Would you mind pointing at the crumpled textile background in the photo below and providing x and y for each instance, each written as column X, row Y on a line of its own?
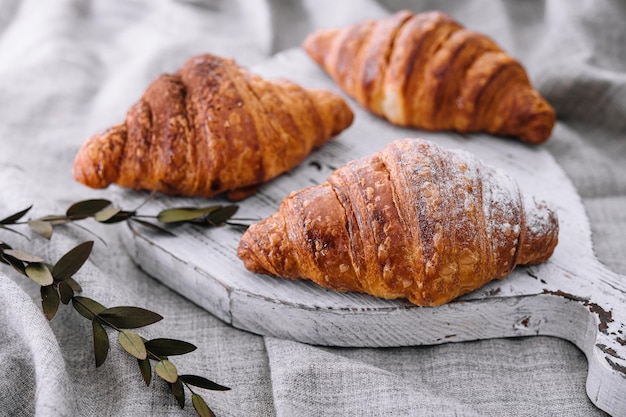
column 69, row 68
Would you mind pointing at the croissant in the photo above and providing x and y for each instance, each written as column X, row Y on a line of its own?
column 426, row 71
column 213, row 127
column 411, row 221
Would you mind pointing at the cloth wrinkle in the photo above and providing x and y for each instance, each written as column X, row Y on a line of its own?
column 69, row 68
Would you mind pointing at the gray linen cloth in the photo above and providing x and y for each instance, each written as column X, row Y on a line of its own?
column 69, row 68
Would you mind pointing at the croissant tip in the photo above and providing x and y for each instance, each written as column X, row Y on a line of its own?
column 318, row 43
column 85, row 170
column 530, row 118
column 541, row 234
column 95, row 164
column 261, row 243
column 337, row 115
column 540, row 127
column 537, row 119
column 246, row 254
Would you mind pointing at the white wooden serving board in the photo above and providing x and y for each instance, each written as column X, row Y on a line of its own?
column 571, row 296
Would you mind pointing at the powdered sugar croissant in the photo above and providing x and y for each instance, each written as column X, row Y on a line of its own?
column 426, row 71
column 411, row 221
column 210, row 128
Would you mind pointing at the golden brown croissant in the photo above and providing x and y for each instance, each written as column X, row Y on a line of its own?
column 411, row 221
column 427, row 71
column 210, row 128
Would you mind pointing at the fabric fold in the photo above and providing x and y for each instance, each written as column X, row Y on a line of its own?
column 70, row 67
column 31, row 358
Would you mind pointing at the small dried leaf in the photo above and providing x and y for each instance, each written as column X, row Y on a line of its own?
column 87, row 307
column 86, row 208
column 73, row 284
column 146, row 370
column 44, row 229
column 100, row 342
column 72, row 261
column 106, row 213
column 132, row 343
column 14, row 262
column 166, row 370
column 220, row 216
column 23, row 256
column 198, row 381
column 184, row 214
column 39, row 273
column 201, row 406
column 15, row 217
column 55, row 220
column 169, row 347
column 130, row 317
column 113, row 215
column 66, row 292
column 120, row 217
column 179, row 392
column 49, row 301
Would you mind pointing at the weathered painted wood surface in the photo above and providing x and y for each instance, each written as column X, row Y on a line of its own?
column 572, row 296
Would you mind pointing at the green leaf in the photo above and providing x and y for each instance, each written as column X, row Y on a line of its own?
column 49, row 301
column 130, row 317
column 15, row 217
column 220, row 216
column 100, row 341
column 179, row 392
column 201, row 406
column 73, row 284
column 146, row 370
column 55, row 219
column 198, row 381
column 23, row 256
column 120, row 217
column 65, row 291
column 87, row 307
column 72, row 261
column 169, row 347
column 184, row 214
column 44, row 229
column 86, row 208
column 39, row 273
column 112, row 215
column 166, row 370
column 106, row 214
column 14, row 262
column 132, row 343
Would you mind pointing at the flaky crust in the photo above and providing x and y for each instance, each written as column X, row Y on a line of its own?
column 212, row 127
column 426, row 71
column 411, row 221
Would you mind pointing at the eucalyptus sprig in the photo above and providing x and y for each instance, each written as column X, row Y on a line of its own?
column 58, row 286
column 105, row 212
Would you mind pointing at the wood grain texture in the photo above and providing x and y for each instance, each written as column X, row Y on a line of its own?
column 571, row 296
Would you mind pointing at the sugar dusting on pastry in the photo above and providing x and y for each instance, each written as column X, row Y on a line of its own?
column 412, row 221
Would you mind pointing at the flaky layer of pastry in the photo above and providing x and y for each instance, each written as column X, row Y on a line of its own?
column 212, row 127
column 411, row 221
column 426, row 71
